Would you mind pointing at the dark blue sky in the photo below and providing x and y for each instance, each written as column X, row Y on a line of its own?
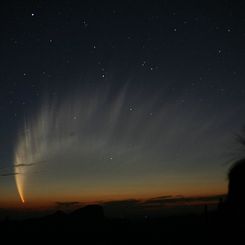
column 181, row 63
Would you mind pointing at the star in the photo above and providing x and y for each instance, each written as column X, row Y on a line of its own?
column 85, row 24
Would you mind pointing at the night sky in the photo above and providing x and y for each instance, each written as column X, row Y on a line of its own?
column 105, row 100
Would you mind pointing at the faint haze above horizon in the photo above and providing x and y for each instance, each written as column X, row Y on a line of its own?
column 115, row 101
column 107, row 143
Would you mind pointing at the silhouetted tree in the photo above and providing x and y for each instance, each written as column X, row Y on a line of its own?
column 236, row 187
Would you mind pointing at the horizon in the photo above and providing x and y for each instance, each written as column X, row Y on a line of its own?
column 160, row 206
column 114, row 103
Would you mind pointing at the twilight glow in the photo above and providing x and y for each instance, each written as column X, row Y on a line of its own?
column 99, row 144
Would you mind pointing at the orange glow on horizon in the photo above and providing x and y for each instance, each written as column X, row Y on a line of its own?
column 46, row 203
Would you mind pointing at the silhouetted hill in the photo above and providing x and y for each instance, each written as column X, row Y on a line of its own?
column 89, row 223
column 58, row 215
column 92, row 213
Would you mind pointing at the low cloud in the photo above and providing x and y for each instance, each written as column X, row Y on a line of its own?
column 28, row 164
column 122, row 203
column 158, row 203
column 9, row 174
column 24, row 165
column 181, row 201
column 67, row 204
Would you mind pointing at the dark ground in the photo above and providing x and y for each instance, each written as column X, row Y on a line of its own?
column 88, row 226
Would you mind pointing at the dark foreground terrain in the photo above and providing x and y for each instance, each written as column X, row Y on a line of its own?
column 88, row 225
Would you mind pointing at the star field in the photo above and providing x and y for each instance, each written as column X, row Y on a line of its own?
column 181, row 65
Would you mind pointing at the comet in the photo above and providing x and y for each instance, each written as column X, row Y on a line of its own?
column 27, row 155
column 38, row 138
column 102, row 127
column 91, row 135
column 62, row 126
